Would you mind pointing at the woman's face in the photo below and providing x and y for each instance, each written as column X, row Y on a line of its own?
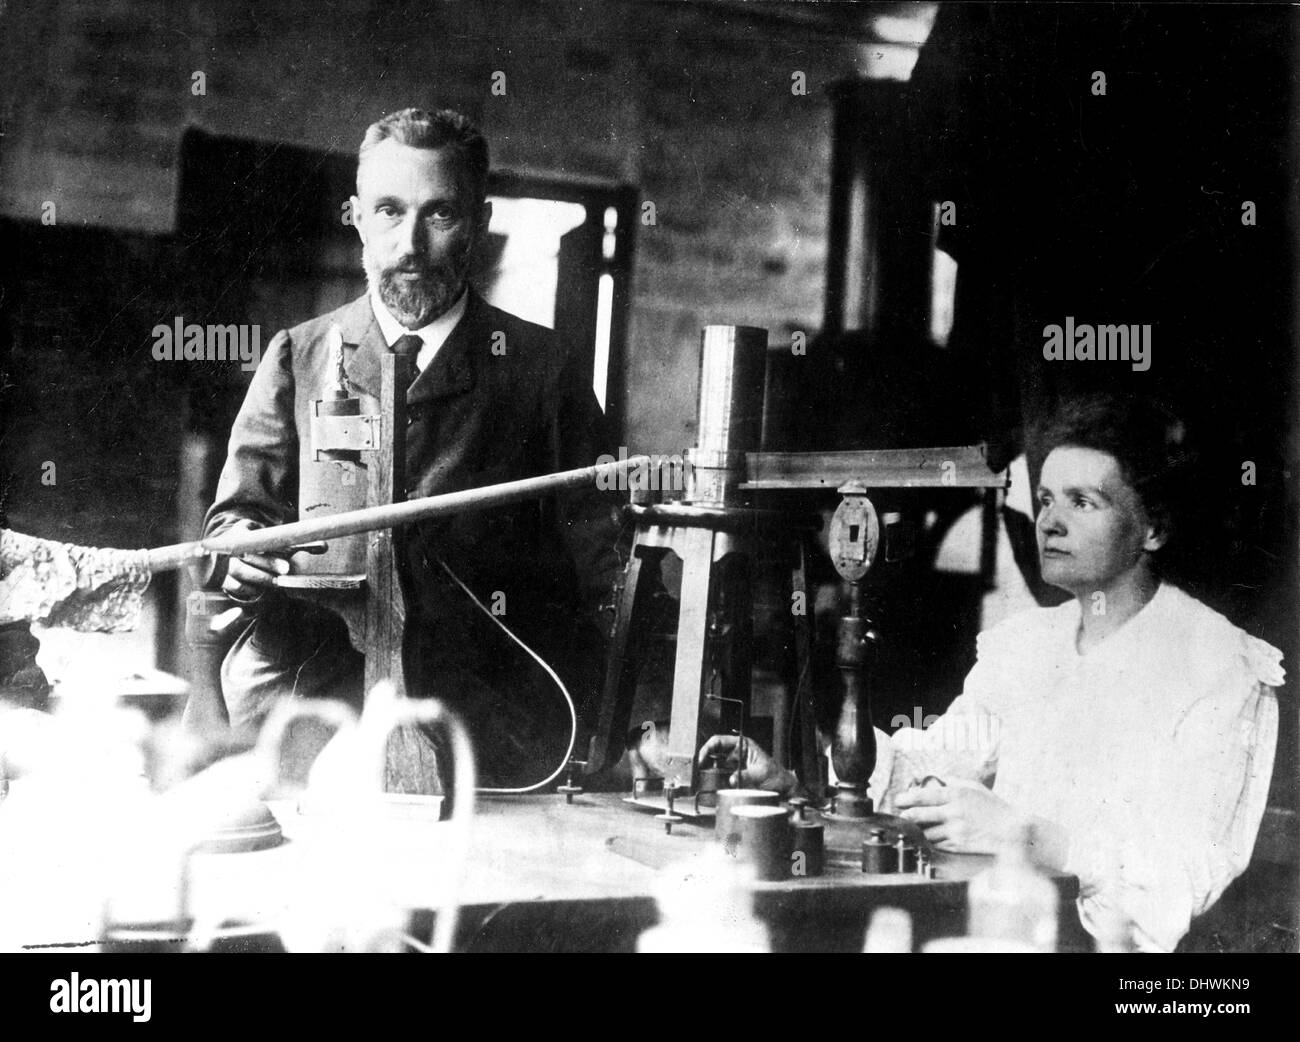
column 1093, row 532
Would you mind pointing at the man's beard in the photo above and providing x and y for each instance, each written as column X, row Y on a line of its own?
column 417, row 301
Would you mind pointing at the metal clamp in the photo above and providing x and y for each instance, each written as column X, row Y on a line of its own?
column 335, row 433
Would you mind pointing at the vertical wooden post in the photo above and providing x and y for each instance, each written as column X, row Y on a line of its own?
column 412, row 762
column 696, row 548
column 386, row 474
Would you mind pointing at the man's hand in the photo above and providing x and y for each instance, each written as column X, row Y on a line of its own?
column 759, row 770
column 961, row 816
column 249, row 577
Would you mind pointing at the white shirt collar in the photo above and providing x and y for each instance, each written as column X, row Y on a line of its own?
column 434, row 334
column 1145, row 625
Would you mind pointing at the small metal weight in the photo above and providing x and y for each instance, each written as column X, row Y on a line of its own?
column 712, row 779
column 878, row 855
column 808, row 839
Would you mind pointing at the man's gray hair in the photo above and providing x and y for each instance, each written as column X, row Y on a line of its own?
column 441, row 128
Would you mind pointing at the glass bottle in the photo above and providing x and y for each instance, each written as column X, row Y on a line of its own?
column 1013, row 901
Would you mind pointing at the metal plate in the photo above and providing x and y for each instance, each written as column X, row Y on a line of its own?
column 955, row 466
column 345, row 433
column 854, row 537
column 683, row 805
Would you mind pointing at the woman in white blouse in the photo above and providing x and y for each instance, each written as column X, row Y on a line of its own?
column 1132, row 727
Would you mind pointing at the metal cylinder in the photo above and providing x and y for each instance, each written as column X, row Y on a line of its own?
column 730, row 799
column 763, row 840
column 337, row 407
column 808, row 838
column 713, row 779
column 733, row 365
column 331, row 481
column 878, row 856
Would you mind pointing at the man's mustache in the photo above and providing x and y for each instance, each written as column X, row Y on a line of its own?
column 415, row 268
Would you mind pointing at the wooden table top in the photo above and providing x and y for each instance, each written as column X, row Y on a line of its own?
column 536, row 848
column 543, row 874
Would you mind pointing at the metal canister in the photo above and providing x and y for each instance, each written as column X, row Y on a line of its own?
column 878, row 855
column 808, row 841
column 332, row 480
column 729, row 800
column 733, row 366
column 763, row 840
column 712, row 779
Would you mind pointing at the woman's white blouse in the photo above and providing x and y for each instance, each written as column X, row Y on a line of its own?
column 1154, row 751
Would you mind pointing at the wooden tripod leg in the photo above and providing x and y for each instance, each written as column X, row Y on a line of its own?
column 695, row 547
column 733, row 605
column 620, row 674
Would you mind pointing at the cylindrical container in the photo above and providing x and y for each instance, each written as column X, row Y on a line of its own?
column 763, row 840
column 1014, row 899
column 733, row 361
column 730, row 799
column 712, row 779
column 350, row 407
column 878, row 855
column 733, row 366
column 332, row 481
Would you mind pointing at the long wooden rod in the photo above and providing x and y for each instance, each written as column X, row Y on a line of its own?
column 368, row 519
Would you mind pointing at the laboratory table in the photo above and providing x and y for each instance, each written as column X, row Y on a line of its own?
column 546, row 875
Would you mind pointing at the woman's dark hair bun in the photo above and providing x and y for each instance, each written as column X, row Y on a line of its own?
column 1147, row 438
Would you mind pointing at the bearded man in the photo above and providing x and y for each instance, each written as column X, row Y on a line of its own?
column 495, row 399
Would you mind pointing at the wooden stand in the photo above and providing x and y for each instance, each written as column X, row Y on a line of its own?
column 374, row 606
column 718, row 548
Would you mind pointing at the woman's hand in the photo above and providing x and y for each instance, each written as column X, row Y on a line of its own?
column 960, row 815
column 966, row 818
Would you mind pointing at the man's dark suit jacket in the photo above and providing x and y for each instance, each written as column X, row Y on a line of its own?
column 475, row 418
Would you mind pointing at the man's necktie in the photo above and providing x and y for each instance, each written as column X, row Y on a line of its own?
column 412, row 344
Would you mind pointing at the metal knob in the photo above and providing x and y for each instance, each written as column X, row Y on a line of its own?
column 569, row 789
column 669, row 817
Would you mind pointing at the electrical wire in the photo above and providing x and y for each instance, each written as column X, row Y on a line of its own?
column 568, row 698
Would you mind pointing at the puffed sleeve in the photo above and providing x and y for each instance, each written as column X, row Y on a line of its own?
column 963, row 742
column 1161, row 862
